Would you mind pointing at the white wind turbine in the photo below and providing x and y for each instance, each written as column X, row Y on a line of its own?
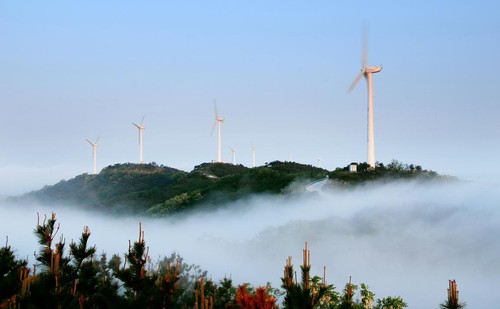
column 140, row 127
column 367, row 72
column 234, row 155
column 94, row 153
column 253, row 155
column 218, row 121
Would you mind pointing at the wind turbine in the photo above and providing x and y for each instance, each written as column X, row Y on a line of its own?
column 94, row 153
column 367, row 72
column 234, row 155
column 253, row 155
column 140, row 127
column 218, row 121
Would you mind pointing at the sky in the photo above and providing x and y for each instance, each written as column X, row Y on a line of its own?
column 279, row 72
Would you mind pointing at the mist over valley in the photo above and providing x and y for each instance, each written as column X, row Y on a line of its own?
column 403, row 237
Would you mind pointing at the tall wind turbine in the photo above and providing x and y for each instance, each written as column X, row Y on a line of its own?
column 253, row 155
column 234, row 155
column 94, row 153
column 367, row 72
column 218, row 121
column 140, row 127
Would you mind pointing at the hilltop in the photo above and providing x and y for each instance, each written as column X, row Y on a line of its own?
column 160, row 190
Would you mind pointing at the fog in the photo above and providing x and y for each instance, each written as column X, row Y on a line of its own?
column 401, row 239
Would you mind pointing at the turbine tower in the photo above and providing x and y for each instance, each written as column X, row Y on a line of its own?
column 218, row 121
column 140, row 127
column 234, row 155
column 367, row 72
column 253, row 155
column 94, row 154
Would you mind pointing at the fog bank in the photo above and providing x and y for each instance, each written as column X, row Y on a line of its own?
column 405, row 239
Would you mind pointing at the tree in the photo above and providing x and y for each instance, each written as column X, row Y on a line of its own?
column 257, row 300
column 84, row 270
column 10, row 270
column 452, row 301
column 347, row 300
column 302, row 295
column 51, row 286
column 367, row 297
column 391, row 303
column 140, row 288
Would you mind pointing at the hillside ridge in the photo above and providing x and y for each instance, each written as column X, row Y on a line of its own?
column 153, row 189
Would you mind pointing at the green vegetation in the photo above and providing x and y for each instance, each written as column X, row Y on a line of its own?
column 80, row 279
column 390, row 172
column 153, row 189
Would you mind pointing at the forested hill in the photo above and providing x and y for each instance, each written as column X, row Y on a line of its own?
column 159, row 190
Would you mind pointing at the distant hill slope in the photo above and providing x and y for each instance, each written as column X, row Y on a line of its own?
column 159, row 190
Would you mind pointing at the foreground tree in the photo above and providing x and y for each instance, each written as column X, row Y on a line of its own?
column 140, row 288
column 80, row 280
column 452, row 301
column 391, row 303
column 10, row 270
column 302, row 295
column 259, row 299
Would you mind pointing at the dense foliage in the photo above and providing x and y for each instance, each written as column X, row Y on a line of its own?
column 390, row 172
column 158, row 190
column 80, row 279
column 77, row 278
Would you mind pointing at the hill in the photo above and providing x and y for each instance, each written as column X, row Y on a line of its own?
column 159, row 190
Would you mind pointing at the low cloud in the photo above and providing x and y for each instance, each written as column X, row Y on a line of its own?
column 403, row 238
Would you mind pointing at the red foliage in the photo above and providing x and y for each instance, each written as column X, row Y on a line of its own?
column 259, row 300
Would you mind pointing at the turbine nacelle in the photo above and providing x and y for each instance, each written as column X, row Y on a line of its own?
column 373, row 69
column 139, row 126
column 95, row 144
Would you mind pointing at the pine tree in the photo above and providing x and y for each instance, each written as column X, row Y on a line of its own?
column 10, row 270
column 452, row 301
column 301, row 295
column 140, row 288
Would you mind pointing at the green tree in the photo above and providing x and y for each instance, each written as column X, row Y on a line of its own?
column 391, row 303
column 302, row 295
column 10, row 269
column 140, row 288
column 51, row 285
column 367, row 297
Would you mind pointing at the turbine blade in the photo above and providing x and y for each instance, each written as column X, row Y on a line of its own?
column 138, row 127
column 142, row 121
column 365, row 45
column 365, row 48
column 213, row 128
column 89, row 142
column 356, row 80
column 215, row 109
column 97, row 140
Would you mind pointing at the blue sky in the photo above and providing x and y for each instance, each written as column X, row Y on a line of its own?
column 279, row 71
